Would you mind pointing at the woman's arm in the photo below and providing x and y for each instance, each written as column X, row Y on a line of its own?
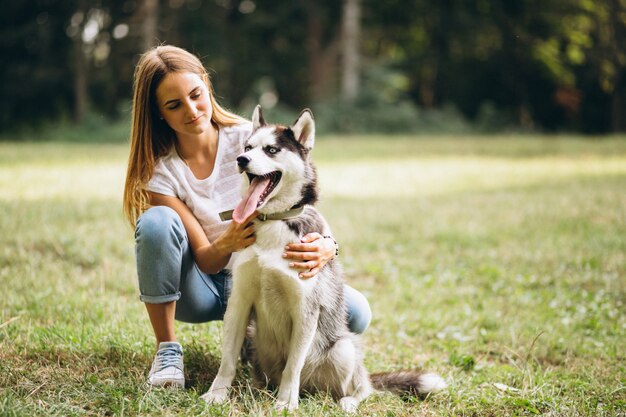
column 210, row 257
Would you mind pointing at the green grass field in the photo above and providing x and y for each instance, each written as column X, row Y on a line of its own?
column 498, row 262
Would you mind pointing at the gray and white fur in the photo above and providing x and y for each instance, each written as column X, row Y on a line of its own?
column 301, row 339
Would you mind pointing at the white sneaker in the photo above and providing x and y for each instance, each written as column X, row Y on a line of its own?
column 167, row 367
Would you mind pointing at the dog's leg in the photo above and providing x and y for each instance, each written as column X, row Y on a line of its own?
column 304, row 328
column 359, row 388
column 235, row 324
column 352, row 384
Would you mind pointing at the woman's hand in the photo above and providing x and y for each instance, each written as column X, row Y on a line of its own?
column 311, row 254
column 237, row 236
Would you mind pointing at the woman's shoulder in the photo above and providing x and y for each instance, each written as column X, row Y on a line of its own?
column 235, row 135
column 239, row 130
column 167, row 175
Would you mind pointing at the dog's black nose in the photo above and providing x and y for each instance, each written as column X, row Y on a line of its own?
column 243, row 161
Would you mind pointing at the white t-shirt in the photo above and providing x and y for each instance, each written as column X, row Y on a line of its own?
column 208, row 197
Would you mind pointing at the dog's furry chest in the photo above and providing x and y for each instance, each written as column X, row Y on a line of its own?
column 273, row 236
column 264, row 269
column 267, row 251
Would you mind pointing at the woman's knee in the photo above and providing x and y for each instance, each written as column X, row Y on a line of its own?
column 359, row 312
column 160, row 250
column 157, row 225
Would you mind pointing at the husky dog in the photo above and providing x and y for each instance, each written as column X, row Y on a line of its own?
column 301, row 339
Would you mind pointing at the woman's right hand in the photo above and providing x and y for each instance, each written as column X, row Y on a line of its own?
column 237, row 236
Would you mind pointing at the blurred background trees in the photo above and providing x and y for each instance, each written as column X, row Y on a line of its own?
column 419, row 65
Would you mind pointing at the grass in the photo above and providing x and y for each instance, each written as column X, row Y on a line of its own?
column 498, row 262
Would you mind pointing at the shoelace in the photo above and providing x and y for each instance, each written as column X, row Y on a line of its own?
column 169, row 356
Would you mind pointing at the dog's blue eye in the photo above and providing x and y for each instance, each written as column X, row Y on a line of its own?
column 247, row 148
column 272, row 150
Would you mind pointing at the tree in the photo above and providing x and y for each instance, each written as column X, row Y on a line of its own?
column 351, row 21
column 145, row 20
column 34, row 48
column 547, row 64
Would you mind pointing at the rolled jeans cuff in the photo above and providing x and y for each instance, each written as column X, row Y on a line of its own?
column 159, row 299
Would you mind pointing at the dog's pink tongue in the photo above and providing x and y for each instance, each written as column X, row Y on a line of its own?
column 249, row 203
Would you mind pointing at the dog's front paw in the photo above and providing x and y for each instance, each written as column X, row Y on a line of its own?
column 349, row 404
column 216, row 395
column 286, row 405
column 288, row 396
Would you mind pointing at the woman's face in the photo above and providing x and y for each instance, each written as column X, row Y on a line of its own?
column 183, row 102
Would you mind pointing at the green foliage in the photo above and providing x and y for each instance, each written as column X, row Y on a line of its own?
column 383, row 107
column 553, row 64
column 365, row 115
column 485, row 65
column 96, row 128
column 465, row 362
column 490, row 119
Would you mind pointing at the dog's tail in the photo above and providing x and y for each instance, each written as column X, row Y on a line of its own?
column 408, row 382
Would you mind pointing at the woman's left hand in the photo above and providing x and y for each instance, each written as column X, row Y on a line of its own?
column 310, row 255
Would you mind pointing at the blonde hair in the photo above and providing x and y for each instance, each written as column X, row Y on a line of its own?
column 151, row 137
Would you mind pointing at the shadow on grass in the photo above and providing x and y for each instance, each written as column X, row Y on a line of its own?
column 111, row 364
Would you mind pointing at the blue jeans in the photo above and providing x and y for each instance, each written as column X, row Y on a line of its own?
column 167, row 272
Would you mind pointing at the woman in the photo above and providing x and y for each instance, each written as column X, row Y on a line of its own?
column 181, row 175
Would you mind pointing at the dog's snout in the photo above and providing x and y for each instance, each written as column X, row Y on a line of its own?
column 243, row 161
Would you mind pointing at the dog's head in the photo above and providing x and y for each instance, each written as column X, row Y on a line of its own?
column 277, row 172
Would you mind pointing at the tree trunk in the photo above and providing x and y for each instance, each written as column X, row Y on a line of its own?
column 350, row 64
column 80, row 81
column 618, row 122
column 618, row 30
column 322, row 56
column 314, row 48
column 148, row 18
column 81, row 96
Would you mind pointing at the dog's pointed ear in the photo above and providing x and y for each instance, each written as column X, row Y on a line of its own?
column 304, row 129
column 257, row 118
